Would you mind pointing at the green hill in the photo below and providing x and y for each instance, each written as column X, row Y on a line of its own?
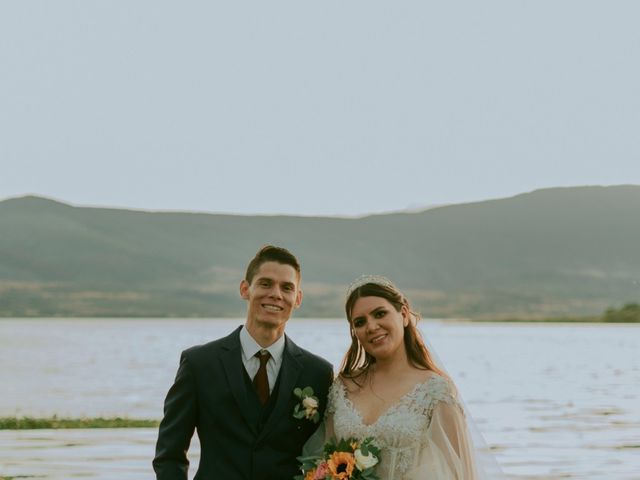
column 561, row 251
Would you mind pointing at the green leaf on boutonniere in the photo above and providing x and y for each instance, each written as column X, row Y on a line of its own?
column 307, row 407
column 298, row 412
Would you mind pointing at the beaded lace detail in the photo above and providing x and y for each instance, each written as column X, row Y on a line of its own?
column 400, row 430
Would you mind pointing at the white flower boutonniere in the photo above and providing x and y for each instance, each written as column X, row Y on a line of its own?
column 308, row 405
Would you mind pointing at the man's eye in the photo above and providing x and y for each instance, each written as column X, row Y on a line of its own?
column 264, row 284
column 288, row 288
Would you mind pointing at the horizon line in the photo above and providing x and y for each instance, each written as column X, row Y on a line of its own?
column 407, row 210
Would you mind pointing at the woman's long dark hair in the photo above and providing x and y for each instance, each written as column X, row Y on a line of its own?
column 357, row 361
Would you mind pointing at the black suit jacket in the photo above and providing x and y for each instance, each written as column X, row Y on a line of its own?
column 210, row 395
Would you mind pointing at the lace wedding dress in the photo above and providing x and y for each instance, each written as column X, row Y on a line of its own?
column 424, row 436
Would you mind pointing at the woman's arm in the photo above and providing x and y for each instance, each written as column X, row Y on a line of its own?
column 447, row 452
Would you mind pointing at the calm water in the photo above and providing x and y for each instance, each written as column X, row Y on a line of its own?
column 553, row 401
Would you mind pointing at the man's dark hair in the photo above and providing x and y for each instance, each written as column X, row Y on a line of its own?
column 270, row 253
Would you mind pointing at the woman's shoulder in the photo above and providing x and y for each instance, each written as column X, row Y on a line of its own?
column 440, row 389
column 428, row 380
column 351, row 383
column 436, row 380
column 431, row 387
column 339, row 391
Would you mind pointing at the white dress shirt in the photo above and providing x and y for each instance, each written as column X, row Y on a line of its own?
column 251, row 363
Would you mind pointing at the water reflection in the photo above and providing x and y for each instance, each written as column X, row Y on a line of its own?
column 553, row 401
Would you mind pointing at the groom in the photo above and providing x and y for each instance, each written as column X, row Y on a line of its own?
column 238, row 391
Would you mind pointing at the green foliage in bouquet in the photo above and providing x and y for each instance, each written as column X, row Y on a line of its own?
column 344, row 459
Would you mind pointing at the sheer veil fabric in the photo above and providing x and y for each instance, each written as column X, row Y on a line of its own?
column 484, row 461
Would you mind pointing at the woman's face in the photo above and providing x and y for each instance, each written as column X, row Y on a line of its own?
column 379, row 326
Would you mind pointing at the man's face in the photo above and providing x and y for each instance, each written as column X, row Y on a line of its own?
column 272, row 295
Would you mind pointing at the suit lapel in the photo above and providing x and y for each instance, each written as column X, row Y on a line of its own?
column 289, row 372
column 234, row 370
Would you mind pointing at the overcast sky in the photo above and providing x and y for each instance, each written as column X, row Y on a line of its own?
column 324, row 107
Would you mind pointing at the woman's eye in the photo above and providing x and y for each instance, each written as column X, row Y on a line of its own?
column 358, row 322
column 380, row 313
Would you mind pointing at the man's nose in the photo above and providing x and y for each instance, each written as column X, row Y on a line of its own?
column 276, row 291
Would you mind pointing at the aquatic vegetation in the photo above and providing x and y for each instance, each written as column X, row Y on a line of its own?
column 32, row 423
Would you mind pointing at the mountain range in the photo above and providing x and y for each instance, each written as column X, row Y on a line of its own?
column 552, row 252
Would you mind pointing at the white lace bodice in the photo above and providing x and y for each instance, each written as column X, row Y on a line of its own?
column 400, row 431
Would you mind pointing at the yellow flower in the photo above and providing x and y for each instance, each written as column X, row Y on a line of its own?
column 311, row 474
column 341, row 465
column 354, row 445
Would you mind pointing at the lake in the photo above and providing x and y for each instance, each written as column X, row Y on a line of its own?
column 554, row 401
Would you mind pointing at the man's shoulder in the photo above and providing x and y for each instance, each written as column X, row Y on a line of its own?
column 310, row 358
column 212, row 348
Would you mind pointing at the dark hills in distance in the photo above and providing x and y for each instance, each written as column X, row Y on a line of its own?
column 552, row 252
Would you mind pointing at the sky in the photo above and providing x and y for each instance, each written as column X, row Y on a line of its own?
column 315, row 108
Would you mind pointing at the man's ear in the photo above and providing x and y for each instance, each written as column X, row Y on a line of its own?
column 244, row 289
column 298, row 299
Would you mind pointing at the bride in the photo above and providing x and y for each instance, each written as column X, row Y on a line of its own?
column 390, row 388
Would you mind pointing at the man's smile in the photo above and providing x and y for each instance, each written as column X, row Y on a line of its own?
column 271, row 307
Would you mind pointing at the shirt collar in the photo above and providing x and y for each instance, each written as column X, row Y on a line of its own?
column 250, row 347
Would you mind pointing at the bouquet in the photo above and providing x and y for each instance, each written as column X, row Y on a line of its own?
column 347, row 459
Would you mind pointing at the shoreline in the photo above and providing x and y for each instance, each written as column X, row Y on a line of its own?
column 61, row 423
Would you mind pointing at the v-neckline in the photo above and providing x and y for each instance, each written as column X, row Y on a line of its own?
column 388, row 410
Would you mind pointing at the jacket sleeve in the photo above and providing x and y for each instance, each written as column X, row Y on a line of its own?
column 177, row 426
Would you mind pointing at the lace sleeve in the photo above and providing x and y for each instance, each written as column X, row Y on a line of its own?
column 333, row 396
column 447, row 451
column 441, row 390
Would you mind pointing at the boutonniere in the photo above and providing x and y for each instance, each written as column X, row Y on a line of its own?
column 307, row 407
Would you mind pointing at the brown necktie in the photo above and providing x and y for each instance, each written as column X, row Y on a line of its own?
column 261, row 380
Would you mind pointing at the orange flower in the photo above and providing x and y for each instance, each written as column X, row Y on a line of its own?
column 341, row 465
column 311, row 474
